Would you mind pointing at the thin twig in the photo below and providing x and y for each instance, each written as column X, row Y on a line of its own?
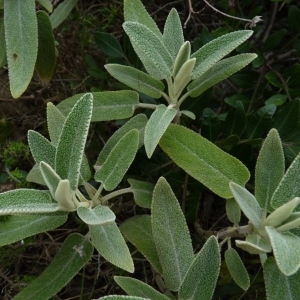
column 271, row 23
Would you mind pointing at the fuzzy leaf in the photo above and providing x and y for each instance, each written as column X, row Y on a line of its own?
column 293, row 221
column 99, row 215
column 136, row 79
column 109, row 242
column 269, row 169
column 182, row 56
column 113, row 297
column 156, row 126
column 171, row 235
column 138, row 231
column 150, row 49
column 142, row 192
column 46, row 4
column 72, row 140
column 203, row 160
column 233, row 211
column 21, row 35
column 236, row 120
column 237, row 269
column 218, row 72
column 74, row 253
column 35, row 175
column 118, row 161
column 215, row 50
column 109, row 45
column 61, row 12
column 255, row 244
column 18, row 227
column 199, row 284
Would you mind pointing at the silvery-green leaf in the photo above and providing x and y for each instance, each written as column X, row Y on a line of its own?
column 61, row 12
column 233, row 211
column 171, row 235
column 50, row 177
column 279, row 286
column 289, row 186
column 138, row 231
column 203, row 160
column 118, row 161
column 134, row 287
column 182, row 56
column 201, row 278
column 139, row 122
column 70, row 147
column 18, row 227
column 142, row 192
column 99, row 215
column 156, row 126
column 215, row 50
column 269, row 169
column 293, row 221
column 254, row 244
column 218, row 72
column 135, row 11
column 247, row 203
column 109, row 242
column 64, row 196
column 46, row 4
column 189, row 114
column 152, row 52
column 74, row 253
column 173, row 35
column 113, row 297
column 136, row 79
column 21, row 35
column 286, row 250
column 237, row 269
column 107, row 106
column 35, row 175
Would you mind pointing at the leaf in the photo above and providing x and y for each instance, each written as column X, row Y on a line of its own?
column 286, row 250
column 233, row 211
column 109, row 242
column 236, row 120
column 134, row 287
column 199, row 284
column 274, row 39
column 269, row 169
column 17, row 227
column 218, row 72
column 211, row 125
column 106, row 105
column 279, row 286
column 113, row 297
column 136, row 79
column 173, row 35
column 21, row 35
column 142, row 192
column 70, row 147
column 3, row 59
column 61, row 12
column 215, row 50
column 247, row 203
column 156, row 126
column 46, row 4
column 182, row 56
column 35, row 175
column 237, row 269
column 100, row 215
column 118, row 161
column 292, row 222
column 138, row 231
column 150, row 49
column 109, row 45
column 74, row 253
column 203, row 160
column 277, row 99
column 171, row 235
column 254, row 244
column 293, row 18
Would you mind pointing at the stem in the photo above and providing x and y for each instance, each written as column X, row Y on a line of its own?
column 115, row 194
column 147, row 105
column 182, row 99
column 95, row 200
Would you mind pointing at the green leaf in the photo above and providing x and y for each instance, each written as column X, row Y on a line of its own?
column 203, row 160
column 269, row 169
column 118, row 161
column 171, row 235
column 109, row 45
column 142, row 192
column 109, row 242
column 72, row 140
column 218, row 72
column 255, row 244
column 237, row 269
column 236, row 120
column 173, row 35
column 182, row 56
column 99, row 215
column 277, row 99
column 138, row 80
column 199, row 284
column 292, row 222
column 113, row 297
column 46, row 4
column 61, row 12
column 139, row 122
column 233, row 211
column 18, row 227
column 134, row 287
column 150, row 49
column 215, row 50
column 156, row 126
column 21, row 35
column 106, row 105
column 3, row 59
column 294, row 18
column 279, row 286
column 138, row 231
column 274, row 40
column 247, row 203
column 35, row 175
column 211, row 125
column 75, row 252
